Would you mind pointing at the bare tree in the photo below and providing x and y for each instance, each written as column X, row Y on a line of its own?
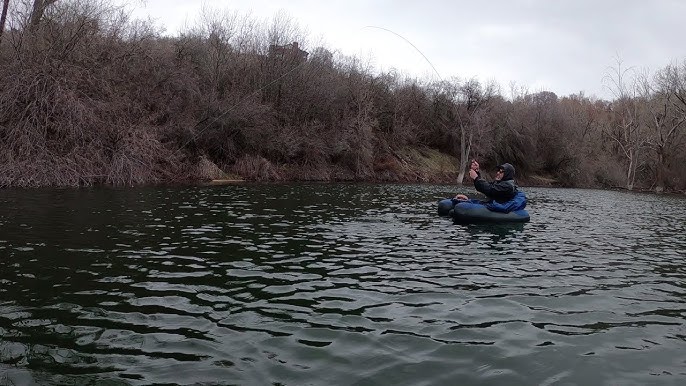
column 37, row 11
column 624, row 126
column 666, row 106
column 91, row 98
column 473, row 101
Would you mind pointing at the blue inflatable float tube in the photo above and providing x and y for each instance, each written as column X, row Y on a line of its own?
column 475, row 211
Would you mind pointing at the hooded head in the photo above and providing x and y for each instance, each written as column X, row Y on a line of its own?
column 508, row 172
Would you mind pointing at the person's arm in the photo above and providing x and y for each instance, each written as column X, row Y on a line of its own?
column 479, row 182
column 474, row 174
column 482, row 185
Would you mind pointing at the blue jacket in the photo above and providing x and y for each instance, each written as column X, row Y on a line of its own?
column 518, row 202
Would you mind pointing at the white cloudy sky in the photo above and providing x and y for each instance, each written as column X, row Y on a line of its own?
column 564, row 46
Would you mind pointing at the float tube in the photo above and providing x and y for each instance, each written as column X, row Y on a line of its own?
column 475, row 211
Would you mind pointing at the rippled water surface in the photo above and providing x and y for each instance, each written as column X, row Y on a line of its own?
column 338, row 285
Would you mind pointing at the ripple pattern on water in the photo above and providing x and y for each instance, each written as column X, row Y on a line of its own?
column 338, row 284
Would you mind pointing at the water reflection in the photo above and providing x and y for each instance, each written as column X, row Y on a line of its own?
column 337, row 284
column 507, row 233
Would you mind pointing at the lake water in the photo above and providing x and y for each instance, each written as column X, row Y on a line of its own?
column 338, row 284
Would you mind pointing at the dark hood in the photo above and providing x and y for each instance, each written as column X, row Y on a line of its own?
column 509, row 171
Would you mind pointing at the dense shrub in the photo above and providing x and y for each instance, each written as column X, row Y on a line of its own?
column 89, row 96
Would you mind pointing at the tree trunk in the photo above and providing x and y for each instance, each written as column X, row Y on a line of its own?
column 660, row 173
column 3, row 17
column 632, row 168
column 465, row 149
column 37, row 13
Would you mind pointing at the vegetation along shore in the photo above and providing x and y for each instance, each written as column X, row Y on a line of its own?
column 89, row 96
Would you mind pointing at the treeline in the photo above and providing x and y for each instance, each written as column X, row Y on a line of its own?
column 89, row 96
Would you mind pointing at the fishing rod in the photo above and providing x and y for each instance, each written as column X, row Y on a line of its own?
column 457, row 112
column 410, row 43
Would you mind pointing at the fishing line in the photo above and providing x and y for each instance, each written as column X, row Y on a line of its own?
column 251, row 94
column 443, row 83
column 241, row 100
column 410, row 43
column 457, row 112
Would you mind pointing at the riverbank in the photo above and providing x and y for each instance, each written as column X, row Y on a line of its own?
column 407, row 165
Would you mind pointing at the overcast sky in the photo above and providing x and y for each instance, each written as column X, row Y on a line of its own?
column 564, row 46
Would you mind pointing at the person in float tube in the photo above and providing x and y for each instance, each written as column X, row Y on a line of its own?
column 501, row 190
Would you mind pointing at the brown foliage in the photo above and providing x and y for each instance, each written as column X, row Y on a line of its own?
column 256, row 168
column 89, row 96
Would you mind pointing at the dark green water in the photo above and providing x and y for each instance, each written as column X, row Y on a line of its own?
column 338, row 285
